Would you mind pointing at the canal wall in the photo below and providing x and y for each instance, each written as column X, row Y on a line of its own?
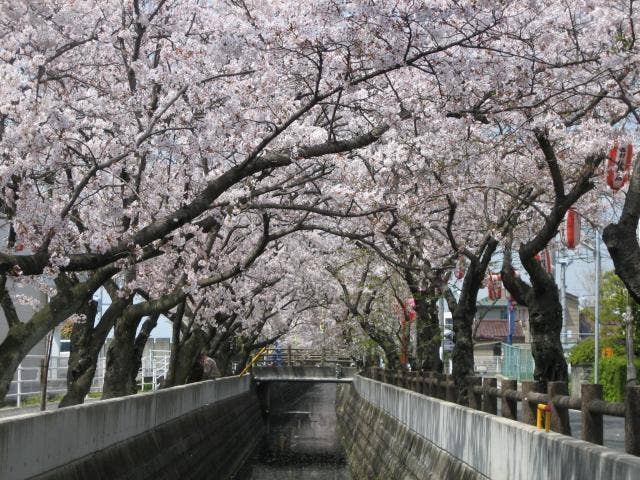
column 379, row 447
column 427, row 434
column 198, row 431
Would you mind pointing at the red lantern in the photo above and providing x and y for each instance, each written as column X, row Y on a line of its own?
column 618, row 166
column 494, row 286
column 461, row 268
column 544, row 257
column 573, row 229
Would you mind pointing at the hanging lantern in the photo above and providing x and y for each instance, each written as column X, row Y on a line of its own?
column 461, row 268
column 618, row 166
column 411, row 307
column 544, row 257
column 573, row 229
column 494, row 286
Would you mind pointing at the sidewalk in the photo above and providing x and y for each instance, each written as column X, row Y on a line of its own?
column 8, row 412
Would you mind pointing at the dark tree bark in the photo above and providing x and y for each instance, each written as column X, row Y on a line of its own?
column 190, row 349
column 463, row 315
column 70, row 298
column 542, row 298
column 86, row 342
column 122, row 351
column 429, row 336
column 83, row 359
column 176, row 343
column 622, row 241
column 121, row 359
column 140, row 342
column 545, row 317
column 360, row 307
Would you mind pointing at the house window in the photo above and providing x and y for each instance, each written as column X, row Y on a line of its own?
column 504, row 314
column 65, row 346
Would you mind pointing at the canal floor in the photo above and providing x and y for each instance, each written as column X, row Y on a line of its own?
column 301, row 442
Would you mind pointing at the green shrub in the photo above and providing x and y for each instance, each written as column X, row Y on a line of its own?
column 613, row 377
column 582, row 353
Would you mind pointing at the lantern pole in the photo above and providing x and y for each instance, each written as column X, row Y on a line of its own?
column 563, row 297
column 598, row 258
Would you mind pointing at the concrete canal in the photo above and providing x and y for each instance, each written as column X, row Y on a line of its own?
column 301, row 439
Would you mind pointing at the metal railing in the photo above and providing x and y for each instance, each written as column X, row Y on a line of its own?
column 517, row 363
column 27, row 379
column 288, row 356
column 155, row 365
column 483, row 394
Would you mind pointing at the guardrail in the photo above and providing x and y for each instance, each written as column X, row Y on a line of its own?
column 287, row 356
column 27, row 379
column 484, row 393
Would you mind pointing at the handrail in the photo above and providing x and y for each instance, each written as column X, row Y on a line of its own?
column 253, row 360
column 483, row 394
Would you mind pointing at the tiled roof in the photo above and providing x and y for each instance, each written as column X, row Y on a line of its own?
column 497, row 329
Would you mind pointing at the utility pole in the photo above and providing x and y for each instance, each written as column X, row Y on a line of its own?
column 563, row 297
column 441, row 321
column 632, row 375
column 597, row 255
column 598, row 259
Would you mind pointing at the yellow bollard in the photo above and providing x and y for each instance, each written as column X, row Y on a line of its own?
column 543, row 407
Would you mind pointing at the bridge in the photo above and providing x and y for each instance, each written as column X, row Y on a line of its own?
column 328, row 374
column 388, row 425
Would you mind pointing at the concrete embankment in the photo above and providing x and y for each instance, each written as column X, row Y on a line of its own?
column 198, row 431
column 379, row 447
column 390, row 432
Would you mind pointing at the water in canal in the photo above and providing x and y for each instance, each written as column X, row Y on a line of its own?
column 301, row 441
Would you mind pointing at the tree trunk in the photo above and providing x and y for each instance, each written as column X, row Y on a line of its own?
column 462, row 356
column 187, row 355
column 22, row 337
column 622, row 241
column 83, row 358
column 86, row 342
column 463, row 316
column 428, row 331
column 545, row 317
column 384, row 341
column 545, row 324
column 121, row 359
column 139, row 344
column 176, row 343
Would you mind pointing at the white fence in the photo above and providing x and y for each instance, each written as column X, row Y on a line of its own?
column 155, row 364
column 26, row 381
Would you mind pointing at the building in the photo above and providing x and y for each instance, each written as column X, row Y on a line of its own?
column 491, row 330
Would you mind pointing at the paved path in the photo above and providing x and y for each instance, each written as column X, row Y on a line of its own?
column 613, row 428
column 9, row 412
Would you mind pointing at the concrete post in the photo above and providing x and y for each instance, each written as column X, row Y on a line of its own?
column 529, row 409
column 509, row 406
column 475, row 398
column 489, row 402
column 153, row 373
column 559, row 416
column 427, row 389
column 19, row 390
column 592, row 426
column 450, row 389
column 440, row 390
column 632, row 420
